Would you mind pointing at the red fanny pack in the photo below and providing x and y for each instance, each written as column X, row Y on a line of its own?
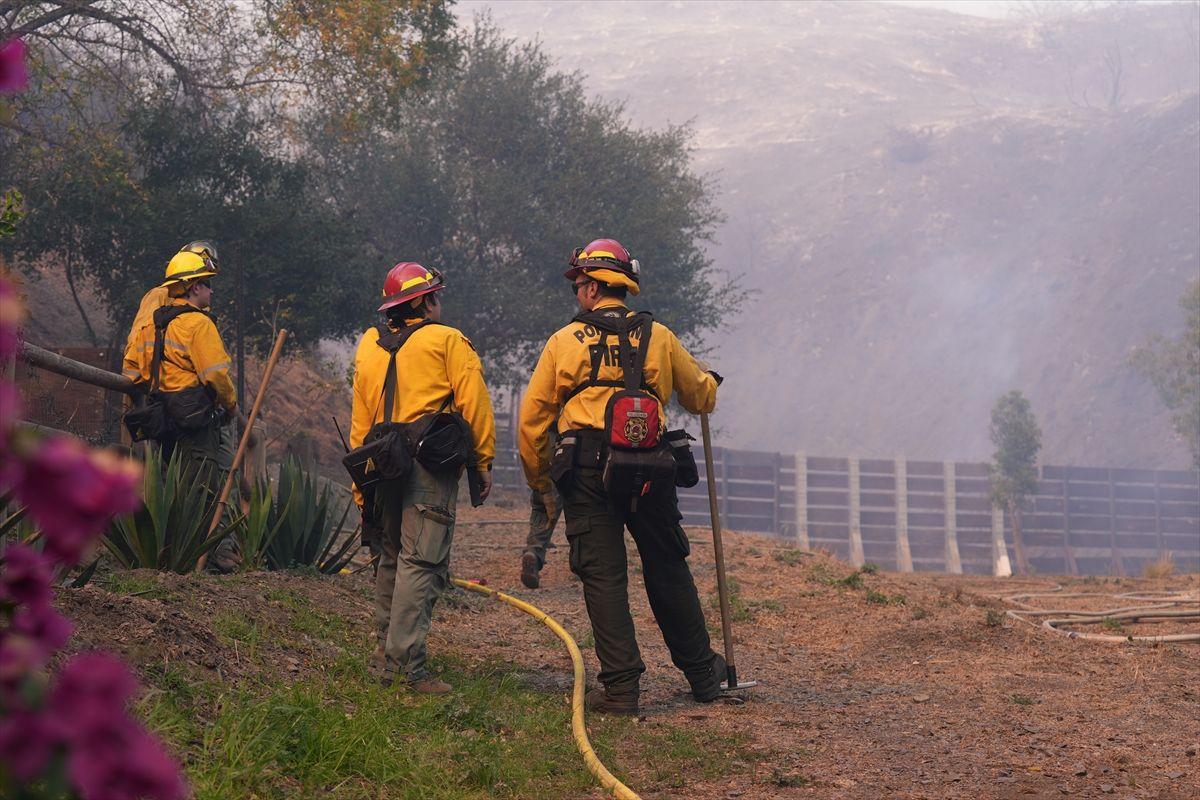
column 633, row 420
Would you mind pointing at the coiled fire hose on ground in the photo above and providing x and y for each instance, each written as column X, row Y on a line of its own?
column 1149, row 607
column 606, row 778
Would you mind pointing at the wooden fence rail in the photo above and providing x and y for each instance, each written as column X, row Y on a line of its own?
column 938, row 516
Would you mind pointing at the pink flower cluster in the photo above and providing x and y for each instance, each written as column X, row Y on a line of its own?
column 14, row 75
column 82, row 720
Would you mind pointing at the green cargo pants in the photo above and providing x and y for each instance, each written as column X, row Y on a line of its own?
column 541, row 526
column 417, row 518
column 206, row 456
column 596, row 533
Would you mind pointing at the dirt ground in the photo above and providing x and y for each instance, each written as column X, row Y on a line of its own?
column 927, row 696
column 904, row 686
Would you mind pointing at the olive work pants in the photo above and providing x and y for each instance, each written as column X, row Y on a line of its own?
column 596, row 533
column 417, row 518
column 206, row 456
column 541, row 526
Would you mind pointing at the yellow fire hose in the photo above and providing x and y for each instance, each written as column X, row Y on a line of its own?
column 606, row 778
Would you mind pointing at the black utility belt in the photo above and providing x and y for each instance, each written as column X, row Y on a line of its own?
column 588, row 448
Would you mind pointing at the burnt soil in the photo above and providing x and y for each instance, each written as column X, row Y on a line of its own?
column 887, row 685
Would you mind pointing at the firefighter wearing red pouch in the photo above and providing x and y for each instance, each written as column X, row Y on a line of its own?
column 582, row 369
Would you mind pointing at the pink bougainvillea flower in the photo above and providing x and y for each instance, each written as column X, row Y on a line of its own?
column 126, row 763
column 25, row 576
column 111, row 756
column 26, row 743
column 90, row 694
column 42, row 625
column 14, row 75
column 71, row 492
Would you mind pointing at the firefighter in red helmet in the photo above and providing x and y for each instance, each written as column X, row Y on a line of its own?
column 433, row 369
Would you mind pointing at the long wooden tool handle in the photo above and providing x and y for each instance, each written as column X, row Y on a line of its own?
column 241, row 451
column 722, row 589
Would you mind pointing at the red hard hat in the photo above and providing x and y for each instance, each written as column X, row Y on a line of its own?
column 602, row 254
column 408, row 280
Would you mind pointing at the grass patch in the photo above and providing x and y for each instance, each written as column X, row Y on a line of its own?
column 881, row 599
column 138, row 583
column 869, row 568
column 791, row 557
column 1112, row 625
column 994, row 618
column 1022, row 700
column 338, row 734
column 920, row 613
column 331, row 731
column 788, row 780
column 741, row 609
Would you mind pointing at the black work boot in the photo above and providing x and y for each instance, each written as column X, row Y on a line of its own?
column 530, row 570
column 706, row 688
column 620, row 701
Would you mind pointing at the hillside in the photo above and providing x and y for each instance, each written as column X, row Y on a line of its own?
column 872, row 685
column 933, row 209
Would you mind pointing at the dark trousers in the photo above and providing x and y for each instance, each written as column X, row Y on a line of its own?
column 596, row 533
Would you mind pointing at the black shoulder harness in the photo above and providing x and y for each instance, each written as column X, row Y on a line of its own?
column 163, row 317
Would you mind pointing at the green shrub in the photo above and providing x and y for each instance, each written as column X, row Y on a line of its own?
column 308, row 526
column 170, row 531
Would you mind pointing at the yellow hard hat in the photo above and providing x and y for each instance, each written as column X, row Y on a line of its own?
column 185, row 266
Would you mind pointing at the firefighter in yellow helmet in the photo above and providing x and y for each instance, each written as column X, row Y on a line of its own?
column 606, row 377
column 191, row 375
column 433, row 369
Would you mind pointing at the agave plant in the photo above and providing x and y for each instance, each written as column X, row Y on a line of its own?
column 310, row 524
column 170, row 531
column 261, row 524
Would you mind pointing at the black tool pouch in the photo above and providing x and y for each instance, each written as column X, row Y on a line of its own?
column 149, row 421
column 562, row 463
column 627, row 473
column 383, row 456
column 192, row 408
column 165, row 414
column 386, row 453
column 687, row 474
column 441, row 442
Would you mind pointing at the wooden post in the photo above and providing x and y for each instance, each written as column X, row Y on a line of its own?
column 950, row 484
column 1001, row 567
column 1158, row 539
column 1068, row 553
column 802, row 501
column 856, row 546
column 903, row 552
column 1117, row 561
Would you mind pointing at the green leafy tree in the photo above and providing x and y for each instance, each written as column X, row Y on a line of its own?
column 502, row 166
column 1014, row 475
column 1173, row 366
column 115, row 210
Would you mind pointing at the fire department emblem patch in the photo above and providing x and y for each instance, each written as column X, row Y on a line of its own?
column 636, row 429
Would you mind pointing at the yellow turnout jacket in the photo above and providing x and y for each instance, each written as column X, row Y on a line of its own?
column 192, row 354
column 435, row 364
column 566, row 362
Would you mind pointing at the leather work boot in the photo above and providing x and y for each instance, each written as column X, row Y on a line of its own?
column 601, row 701
column 529, row 571
column 430, row 686
column 707, row 688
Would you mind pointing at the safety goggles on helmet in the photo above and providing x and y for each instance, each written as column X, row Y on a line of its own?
column 204, row 249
